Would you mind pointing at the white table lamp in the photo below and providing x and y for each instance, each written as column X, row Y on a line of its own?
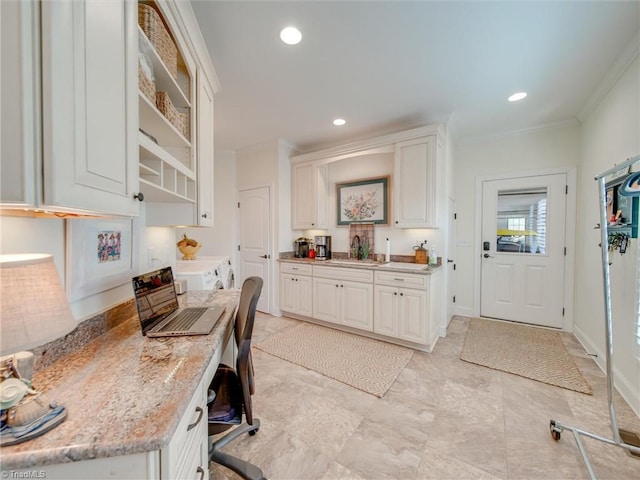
column 33, row 311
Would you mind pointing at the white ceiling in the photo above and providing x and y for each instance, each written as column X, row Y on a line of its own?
column 387, row 65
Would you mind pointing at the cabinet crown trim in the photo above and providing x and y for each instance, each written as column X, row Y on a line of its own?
column 358, row 148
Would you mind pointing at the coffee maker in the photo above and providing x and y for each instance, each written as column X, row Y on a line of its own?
column 323, row 247
column 301, row 247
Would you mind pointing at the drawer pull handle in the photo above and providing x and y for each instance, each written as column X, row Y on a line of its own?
column 200, row 470
column 195, row 424
column 399, row 279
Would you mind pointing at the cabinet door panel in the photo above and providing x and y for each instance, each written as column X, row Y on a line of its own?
column 357, row 305
column 20, row 145
column 287, row 293
column 303, row 201
column 304, row 296
column 205, row 152
column 385, row 311
column 326, row 300
column 416, row 181
column 90, row 106
column 412, row 313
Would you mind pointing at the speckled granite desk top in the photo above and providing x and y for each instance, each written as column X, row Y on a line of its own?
column 124, row 393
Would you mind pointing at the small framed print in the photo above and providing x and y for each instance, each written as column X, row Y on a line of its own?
column 100, row 254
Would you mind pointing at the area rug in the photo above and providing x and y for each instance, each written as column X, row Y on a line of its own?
column 363, row 363
column 530, row 352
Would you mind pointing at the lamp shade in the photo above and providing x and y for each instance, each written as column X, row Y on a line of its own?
column 33, row 307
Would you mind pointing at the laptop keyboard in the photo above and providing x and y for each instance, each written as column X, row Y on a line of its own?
column 184, row 320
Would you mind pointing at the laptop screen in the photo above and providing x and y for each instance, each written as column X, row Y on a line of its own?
column 155, row 296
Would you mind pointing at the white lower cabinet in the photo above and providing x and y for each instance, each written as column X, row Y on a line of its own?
column 401, row 313
column 412, row 315
column 186, row 455
column 295, row 289
column 401, row 308
column 385, row 310
column 295, row 294
column 404, row 307
column 343, row 296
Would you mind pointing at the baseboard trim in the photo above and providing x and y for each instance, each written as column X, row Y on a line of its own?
column 622, row 384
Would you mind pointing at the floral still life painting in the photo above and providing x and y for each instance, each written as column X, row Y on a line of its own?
column 363, row 201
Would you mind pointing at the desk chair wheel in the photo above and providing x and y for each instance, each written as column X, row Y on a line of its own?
column 555, row 431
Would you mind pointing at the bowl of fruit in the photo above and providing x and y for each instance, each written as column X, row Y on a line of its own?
column 188, row 247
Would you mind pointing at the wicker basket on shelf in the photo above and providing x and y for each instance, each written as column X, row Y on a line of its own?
column 177, row 119
column 146, row 85
column 154, row 29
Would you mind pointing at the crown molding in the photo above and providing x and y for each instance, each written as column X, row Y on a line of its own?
column 570, row 122
column 619, row 67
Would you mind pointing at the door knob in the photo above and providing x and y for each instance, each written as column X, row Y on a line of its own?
column 449, row 260
column 264, row 256
column 486, row 255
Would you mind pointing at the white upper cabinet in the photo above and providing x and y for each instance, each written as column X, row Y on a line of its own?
column 415, row 188
column 89, row 106
column 205, row 151
column 309, row 196
column 303, row 203
column 20, row 81
column 69, row 113
column 416, row 159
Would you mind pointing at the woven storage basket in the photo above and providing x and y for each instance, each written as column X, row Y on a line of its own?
column 177, row 119
column 153, row 28
column 146, row 85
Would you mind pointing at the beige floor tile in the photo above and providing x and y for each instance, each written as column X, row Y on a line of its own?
column 441, row 419
column 377, row 451
column 435, row 465
column 469, row 426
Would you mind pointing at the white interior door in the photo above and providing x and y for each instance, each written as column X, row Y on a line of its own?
column 523, row 250
column 255, row 249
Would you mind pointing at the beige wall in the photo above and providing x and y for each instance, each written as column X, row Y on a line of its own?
column 532, row 151
column 610, row 135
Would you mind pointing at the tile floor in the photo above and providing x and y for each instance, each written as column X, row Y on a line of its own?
column 442, row 419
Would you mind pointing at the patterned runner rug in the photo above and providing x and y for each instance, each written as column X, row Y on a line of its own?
column 530, row 352
column 366, row 364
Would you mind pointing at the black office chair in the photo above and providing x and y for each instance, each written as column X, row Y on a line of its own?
column 234, row 389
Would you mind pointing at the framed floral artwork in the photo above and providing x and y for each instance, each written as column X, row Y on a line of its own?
column 101, row 253
column 363, row 201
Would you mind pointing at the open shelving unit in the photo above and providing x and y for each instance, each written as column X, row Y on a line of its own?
column 167, row 169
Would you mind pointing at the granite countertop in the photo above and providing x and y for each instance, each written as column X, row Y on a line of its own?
column 400, row 267
column 124, row 393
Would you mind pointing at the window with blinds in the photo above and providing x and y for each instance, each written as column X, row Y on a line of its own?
column 522, row 221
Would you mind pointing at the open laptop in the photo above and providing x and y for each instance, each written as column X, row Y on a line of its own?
column 160, row 315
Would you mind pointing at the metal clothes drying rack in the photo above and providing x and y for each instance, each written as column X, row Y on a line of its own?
column 555, row 427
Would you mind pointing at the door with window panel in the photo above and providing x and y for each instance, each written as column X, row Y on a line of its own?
column 523, row 235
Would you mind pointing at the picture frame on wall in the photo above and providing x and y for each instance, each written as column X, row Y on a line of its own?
column 100, row 254
column 363, row 201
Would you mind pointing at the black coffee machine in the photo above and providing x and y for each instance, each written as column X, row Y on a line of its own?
column 301, row 247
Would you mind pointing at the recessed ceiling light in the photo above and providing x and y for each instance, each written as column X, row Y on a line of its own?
column 339, row 122
column 290, row 35
column 517, row 96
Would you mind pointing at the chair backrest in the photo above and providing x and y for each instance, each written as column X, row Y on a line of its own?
column 245, row 316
